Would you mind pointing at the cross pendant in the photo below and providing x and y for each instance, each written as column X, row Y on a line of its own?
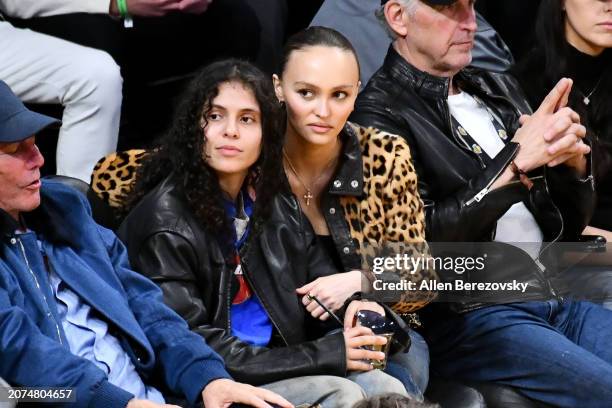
column 308, row 196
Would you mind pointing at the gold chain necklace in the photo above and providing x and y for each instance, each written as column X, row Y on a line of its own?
column 308, row 196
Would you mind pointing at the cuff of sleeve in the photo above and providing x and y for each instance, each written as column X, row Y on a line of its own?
column 197, row 377
column 109, row 395
column 335, row 351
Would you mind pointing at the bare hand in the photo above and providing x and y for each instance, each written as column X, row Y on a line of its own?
column 223, row 393
column 598, row 231
column 357, row 305
column 194, row 6
column 147, row 8
column 553, row 134
column 354, row 339
column 332, row 291
column 137, row 403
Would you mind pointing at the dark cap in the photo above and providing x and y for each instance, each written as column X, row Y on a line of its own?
column 430, row 2
column 16, row 121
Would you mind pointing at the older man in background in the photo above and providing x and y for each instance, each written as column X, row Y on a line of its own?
column 490, row 171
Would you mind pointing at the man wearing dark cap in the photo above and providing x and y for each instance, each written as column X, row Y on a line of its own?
column 73, row 316
column 494, row 174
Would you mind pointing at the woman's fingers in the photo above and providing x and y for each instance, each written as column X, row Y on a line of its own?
column 367, row 340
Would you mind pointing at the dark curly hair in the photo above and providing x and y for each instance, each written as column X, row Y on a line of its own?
column 180, row 151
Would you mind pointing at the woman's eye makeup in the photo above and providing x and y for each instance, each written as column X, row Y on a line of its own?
column 305, row 93
column 248, row 119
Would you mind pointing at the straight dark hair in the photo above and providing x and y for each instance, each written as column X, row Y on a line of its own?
column 550, row 39
column 550, row 60
column 312, row 37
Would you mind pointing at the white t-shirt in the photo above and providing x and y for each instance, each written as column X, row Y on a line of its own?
column 517, row 225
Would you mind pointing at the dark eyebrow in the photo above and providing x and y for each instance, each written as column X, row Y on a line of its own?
column 246, row 110
column 249, row 110
column 306, row 84
column 344, row 87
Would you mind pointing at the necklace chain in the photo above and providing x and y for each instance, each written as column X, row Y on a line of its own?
column 587, row 98
column 308, row 195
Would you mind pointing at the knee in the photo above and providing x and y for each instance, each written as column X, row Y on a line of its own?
column 98, row 76
column 379, row 382
column 106, row 76
column 344, row 392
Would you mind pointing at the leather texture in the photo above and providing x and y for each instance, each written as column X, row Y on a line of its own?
column 166, row 243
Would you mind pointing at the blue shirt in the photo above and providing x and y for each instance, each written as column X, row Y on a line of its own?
column 93, row 263
column 88, row 337
column 249, row 320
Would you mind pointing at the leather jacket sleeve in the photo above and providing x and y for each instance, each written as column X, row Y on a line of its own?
column 171, row 262
column 472, row 211
column 187, row 365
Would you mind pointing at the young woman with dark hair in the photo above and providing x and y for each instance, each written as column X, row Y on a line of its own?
column 356, row 186
column 213, row 224
column 573, row 39
column 187, row 154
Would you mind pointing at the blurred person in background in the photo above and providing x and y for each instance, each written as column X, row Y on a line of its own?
column 573, row 39
column 167, row 42
column 86, row 82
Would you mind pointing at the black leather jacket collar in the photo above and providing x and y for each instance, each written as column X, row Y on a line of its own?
column 348, row 179
column 406, row 75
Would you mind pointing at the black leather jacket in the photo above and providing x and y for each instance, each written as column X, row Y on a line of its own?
column 167, row 243
column 454, row 183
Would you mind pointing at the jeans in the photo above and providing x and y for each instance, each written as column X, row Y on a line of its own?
column 335, row 392
column 412, row 367
column 555, row 352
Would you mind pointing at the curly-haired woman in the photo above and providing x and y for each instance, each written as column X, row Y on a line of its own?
column 213, row 224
